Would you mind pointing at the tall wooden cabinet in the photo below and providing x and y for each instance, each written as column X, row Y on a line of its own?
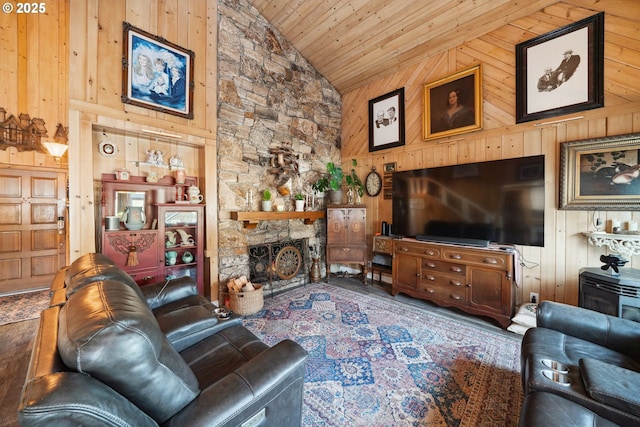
column 175, row 228
column 347, row 236
column 476, row 280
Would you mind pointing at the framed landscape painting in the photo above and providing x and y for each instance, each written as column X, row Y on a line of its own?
column 561, row 72
column 156, row 74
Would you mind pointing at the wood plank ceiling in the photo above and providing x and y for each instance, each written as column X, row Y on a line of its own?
column 352, row 43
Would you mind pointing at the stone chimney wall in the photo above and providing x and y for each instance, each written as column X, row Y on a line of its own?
column 269, row 98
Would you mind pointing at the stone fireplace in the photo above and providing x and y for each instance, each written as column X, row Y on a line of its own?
column 271, row 101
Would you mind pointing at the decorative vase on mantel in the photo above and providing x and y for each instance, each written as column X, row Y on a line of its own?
column 267, row 205
column 350, row 196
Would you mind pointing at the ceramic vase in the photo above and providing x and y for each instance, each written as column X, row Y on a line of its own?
column 171, row 257
column 133, row 217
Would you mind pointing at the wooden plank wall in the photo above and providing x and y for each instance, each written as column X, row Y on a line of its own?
column 95, row 70
column 551, row 271
column 33, row 73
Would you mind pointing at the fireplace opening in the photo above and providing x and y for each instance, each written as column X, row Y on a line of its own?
column 279, row 264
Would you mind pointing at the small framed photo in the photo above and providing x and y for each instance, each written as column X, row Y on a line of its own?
column 389, row 167
column 386, row 121
column 561, row 72
column 453, row 104
column 600, row 173
column 156, row 74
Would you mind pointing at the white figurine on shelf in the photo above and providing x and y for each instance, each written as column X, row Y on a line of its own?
column 187, row 239
column 175, row 162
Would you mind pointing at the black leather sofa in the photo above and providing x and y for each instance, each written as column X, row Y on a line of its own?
column 109, row 353
column 596, row 381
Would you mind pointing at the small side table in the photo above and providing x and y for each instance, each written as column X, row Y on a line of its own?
column 382, row 257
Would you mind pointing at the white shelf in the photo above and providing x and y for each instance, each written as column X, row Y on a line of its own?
column 626, row 245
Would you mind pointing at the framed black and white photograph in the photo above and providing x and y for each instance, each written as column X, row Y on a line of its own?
column 561, row 72
column 386, row 121
column 156, row 74
column 600, row 173
column 453, row 104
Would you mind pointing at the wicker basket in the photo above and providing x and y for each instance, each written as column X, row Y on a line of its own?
column 245, row 303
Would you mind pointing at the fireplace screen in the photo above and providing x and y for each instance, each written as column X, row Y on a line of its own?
column 280, row 261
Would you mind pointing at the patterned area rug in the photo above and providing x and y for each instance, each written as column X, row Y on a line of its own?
column 376, row 362
column 19, row 307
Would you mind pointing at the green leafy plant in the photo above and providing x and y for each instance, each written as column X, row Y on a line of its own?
column 299, row 196
column 353, row 181
column 331, row 181
column 266, row 195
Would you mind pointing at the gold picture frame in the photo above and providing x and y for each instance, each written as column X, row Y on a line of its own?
column 465, row 89
column 600, row 173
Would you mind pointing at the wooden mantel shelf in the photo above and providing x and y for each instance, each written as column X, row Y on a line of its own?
column 251, row 219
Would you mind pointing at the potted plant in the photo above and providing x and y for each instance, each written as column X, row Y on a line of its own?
column 354, row 183
column 299, row 199
column 266, row 200
column 331, row 181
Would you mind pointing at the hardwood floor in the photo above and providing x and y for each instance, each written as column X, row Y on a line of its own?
column 15, row 350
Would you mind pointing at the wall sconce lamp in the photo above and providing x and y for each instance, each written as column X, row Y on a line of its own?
column 58, row 146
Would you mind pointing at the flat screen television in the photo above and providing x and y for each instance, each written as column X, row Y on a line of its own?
column 499, row 201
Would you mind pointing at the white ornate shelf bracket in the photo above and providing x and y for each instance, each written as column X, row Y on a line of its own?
column 624, row 244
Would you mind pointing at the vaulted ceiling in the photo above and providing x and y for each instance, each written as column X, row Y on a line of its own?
column 354, row 42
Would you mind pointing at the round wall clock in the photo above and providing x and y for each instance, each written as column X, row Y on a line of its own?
column 373, row 183
column 108, row 148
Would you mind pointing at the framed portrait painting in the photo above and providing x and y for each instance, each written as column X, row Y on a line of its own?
column 386, row 121
column 600, row 173
column 453, row 104
column 561, row 72
column 156, row 74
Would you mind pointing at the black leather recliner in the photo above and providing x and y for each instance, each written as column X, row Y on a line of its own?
column 596, row 378
column 101, row 358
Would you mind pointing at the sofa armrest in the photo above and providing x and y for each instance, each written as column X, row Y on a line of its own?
column 612, row 385
column 189, row 325
column 618, row 334
column 273, row 379
column 167, row 291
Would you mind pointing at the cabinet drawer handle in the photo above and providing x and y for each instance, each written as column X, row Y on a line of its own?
column 456, row 256
column 147, row 278
column 490, row 261
column 404, row 249
column 456, row 297
column 431, row 265
column 430, row 252
column 456, row 283
column 346, row 249
column 431, row 291
column 430, row 277
column 456, row 269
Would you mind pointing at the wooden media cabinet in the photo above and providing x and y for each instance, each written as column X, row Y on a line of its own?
column 476, row 280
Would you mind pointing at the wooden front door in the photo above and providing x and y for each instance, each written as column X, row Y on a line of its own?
column 32, row 248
